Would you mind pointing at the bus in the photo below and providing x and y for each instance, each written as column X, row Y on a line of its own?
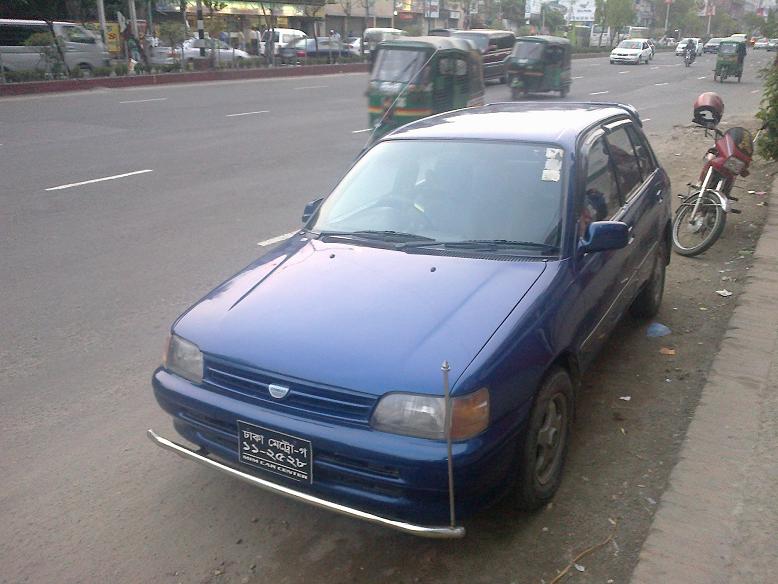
column 601, row 35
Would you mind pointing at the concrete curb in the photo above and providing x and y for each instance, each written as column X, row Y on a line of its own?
column 166, row 78
column 717, row 522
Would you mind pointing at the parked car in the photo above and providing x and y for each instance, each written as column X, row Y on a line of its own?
column 712, row 46
column 354, row 46
column 322, row 47
column 281, row 38
column 681, row 46
column 772, row 45
column 217, row 49
column 635, row 51
column 453, row 289
column 83, row 49
column 761, row 44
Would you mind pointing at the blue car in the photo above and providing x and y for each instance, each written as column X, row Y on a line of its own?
column 413, row 353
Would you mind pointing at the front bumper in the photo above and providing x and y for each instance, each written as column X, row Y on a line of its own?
column 398, row 481
column 625, row 59
column 421, row 530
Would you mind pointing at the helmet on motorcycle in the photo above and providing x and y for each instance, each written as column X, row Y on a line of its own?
column 708, row 109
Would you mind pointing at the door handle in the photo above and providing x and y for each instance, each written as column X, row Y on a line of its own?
column 660, row 196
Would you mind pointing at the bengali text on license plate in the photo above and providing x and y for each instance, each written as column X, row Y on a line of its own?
column 275, row 452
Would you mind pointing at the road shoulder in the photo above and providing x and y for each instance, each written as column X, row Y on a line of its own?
column 717, row 519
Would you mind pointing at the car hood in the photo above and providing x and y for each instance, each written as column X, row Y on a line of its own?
column 364, row 318
column 618, row 51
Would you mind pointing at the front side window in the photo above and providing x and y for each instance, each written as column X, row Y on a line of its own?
column 643, row 152
column 600, row 199
column 452, row 191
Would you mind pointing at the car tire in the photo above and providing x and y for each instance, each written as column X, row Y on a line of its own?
column 649, row 299
column 86, row 69
column 543, row 450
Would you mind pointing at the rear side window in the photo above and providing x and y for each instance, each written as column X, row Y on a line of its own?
column 624, row 161
column 14, row 35
column 601, row 194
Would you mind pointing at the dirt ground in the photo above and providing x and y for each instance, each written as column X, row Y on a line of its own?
column 634, row 409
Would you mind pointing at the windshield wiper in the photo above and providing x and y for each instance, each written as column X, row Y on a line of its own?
column 385, row 235
column 490, row 244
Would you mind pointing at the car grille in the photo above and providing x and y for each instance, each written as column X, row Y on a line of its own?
column 304, row 399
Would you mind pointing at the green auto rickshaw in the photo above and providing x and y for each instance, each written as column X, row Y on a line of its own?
column 537, row 64
column 416, row 77
column 729, row 60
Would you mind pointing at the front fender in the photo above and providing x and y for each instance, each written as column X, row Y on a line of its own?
column 723, row 201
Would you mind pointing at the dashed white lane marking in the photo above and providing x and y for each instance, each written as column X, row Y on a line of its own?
column 660, row 84
column 646, row 119
column 273, row 240
column 312, row 87
column 703, row 77
column 598, row 93
column 754, row 91
column 144, row 100
column 623, row 72
column 360, row 131
column 652, row 68
column 95, row 180
column 246, row 114
column 578, row 77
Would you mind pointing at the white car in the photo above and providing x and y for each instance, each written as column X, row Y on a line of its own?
column 761, row 44
column 681, row 46
column 223, row 53
column 635, row 51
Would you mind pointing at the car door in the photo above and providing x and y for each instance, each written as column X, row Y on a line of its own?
column 641, row 188
column 601, row 277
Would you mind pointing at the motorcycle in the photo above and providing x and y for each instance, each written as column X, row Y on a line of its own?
column 702, row 215
column 688, row 56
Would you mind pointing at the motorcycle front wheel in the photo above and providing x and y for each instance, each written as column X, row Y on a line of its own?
column 691, row 237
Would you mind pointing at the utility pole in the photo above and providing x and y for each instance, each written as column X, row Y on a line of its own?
column 101, row 18
column 200, row 27
column 667, row 15
column 133, row 19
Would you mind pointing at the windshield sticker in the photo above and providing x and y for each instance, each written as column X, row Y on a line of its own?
column 555, row 153
column 553, row 164
column 550, row 175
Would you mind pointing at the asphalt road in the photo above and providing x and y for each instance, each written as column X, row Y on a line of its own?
column 92, row 275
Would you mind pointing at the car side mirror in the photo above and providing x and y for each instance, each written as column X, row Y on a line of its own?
column 310, row 209
column 604, row 235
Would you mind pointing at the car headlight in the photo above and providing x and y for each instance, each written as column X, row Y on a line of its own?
column 184, row 358
column 425, row 416
column 734, row 165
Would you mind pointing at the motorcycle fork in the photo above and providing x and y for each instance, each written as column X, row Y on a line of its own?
column 703, row 190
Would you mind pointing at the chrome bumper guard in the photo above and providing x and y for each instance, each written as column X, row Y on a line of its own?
column 420, row 530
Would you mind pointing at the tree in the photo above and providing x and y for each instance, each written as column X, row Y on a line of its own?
column 348, row 8
column 620, row 13
column 48, row 10
column 173, row 33
column 768, row 113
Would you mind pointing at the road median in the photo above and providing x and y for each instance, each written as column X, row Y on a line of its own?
column 61, row 85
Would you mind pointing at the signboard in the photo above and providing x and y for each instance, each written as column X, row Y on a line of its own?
column 581, row 11
column 113, row 37
column 705, row 8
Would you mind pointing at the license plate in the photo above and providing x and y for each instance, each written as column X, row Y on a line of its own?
column 275, row 452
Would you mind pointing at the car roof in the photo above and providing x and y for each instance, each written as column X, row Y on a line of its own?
column 436, row 42
column 544, row 38
column 559, row 123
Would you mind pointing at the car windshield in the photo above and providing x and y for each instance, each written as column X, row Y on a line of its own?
column 630, row 45
column 481, row 40
column 452, row 191
column 397, row 64
column 528, row 50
